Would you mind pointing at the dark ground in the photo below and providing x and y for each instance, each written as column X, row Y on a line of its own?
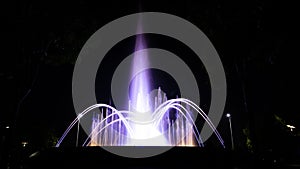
column 178, row 157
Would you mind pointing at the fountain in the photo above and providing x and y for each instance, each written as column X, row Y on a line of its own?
column 117, row 128
column 150, row 115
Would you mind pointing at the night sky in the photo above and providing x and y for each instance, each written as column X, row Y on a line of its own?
column 257, row 42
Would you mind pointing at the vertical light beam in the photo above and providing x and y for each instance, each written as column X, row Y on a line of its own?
column 140, row 85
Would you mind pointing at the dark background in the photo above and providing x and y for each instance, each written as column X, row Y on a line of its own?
column 257, row 42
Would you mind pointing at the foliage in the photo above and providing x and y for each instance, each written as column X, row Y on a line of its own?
column 248, row 143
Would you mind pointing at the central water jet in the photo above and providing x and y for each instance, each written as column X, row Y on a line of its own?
column 140, row 99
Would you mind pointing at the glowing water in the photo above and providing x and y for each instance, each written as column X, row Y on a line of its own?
column 118, row 131
column 147, row 122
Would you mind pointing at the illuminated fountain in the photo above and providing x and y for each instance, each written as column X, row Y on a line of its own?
column 150, row 120
column 117, row 128
column 108, row 129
